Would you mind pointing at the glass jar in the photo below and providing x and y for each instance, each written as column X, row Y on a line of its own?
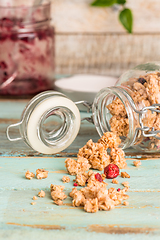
column 131, row 109
column 27, row 49
column 49, row 123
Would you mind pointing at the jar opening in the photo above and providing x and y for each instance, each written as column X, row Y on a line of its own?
column 50, row 122
column 54, row 125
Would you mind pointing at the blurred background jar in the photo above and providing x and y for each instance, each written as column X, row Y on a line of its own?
column 26, row 48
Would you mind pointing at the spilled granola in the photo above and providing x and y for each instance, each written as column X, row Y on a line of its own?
column 29, row 175
column 41, row 173
column 35, row 198
column 95, row 196
column 41, row 194
column 137, row 163
column 125, row 175
column 115, row 181
column 66, row 179
column 74, row 167
column 96, row 155
column 125, row 184
column 57, row 194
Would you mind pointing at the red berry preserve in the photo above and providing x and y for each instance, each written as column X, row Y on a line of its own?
column 27, row 50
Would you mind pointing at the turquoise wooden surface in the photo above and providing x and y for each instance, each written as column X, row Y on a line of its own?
column 20, row 220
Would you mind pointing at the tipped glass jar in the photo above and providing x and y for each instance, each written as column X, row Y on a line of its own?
column 26, row 47
column 131, row 109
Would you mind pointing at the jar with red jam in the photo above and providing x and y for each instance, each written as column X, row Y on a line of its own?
column 26, row 49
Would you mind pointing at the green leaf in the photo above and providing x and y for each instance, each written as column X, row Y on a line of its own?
column 121, row 1
column 103, row 3
column 126, row 18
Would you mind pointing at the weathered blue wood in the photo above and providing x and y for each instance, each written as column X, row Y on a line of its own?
column 141, row 217
column 143, row 178
column 10, row 112
column 20, row 220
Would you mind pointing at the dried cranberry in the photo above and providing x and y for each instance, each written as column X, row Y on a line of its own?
column 111, row 171
column 98, row 177
column 118, row 189
column 141, row 80
column 75, row 184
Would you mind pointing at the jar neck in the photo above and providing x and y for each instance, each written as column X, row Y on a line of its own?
column 50, row 122
column 102, row 116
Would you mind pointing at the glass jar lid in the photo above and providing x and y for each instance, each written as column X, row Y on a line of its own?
column 49, row 123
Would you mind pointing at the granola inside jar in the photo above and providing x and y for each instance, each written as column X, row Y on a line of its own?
column 130, row 109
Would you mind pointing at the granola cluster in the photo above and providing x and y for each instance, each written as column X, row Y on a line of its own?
column 118, row 157
column 41, row 194
column 29, row 175
column 115, row 181
column 125, row 175
column 95, row 155
column 74, row 167
column 95, row 196
column 137, row 163
column 110, row 140
column 66, row 179
column 57, row 194
column 40, row 173
column 145, row 91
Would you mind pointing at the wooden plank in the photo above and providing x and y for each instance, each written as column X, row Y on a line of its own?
column 18, row 216
column 84, row 43
column 15, row 168
column 109, row 54
column 11, row 111
column 19, row 148
column 78, row 16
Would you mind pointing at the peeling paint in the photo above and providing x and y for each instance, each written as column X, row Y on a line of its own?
column 6, row 120
column 142, row 156
column 59, row 171
column 44, row 227
column 119, row 229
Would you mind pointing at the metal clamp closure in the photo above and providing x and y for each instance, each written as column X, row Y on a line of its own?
column 88, row 106
column 146, row 132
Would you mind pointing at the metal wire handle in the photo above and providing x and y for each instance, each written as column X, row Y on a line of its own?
column 146, row 132
column 88, row 106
